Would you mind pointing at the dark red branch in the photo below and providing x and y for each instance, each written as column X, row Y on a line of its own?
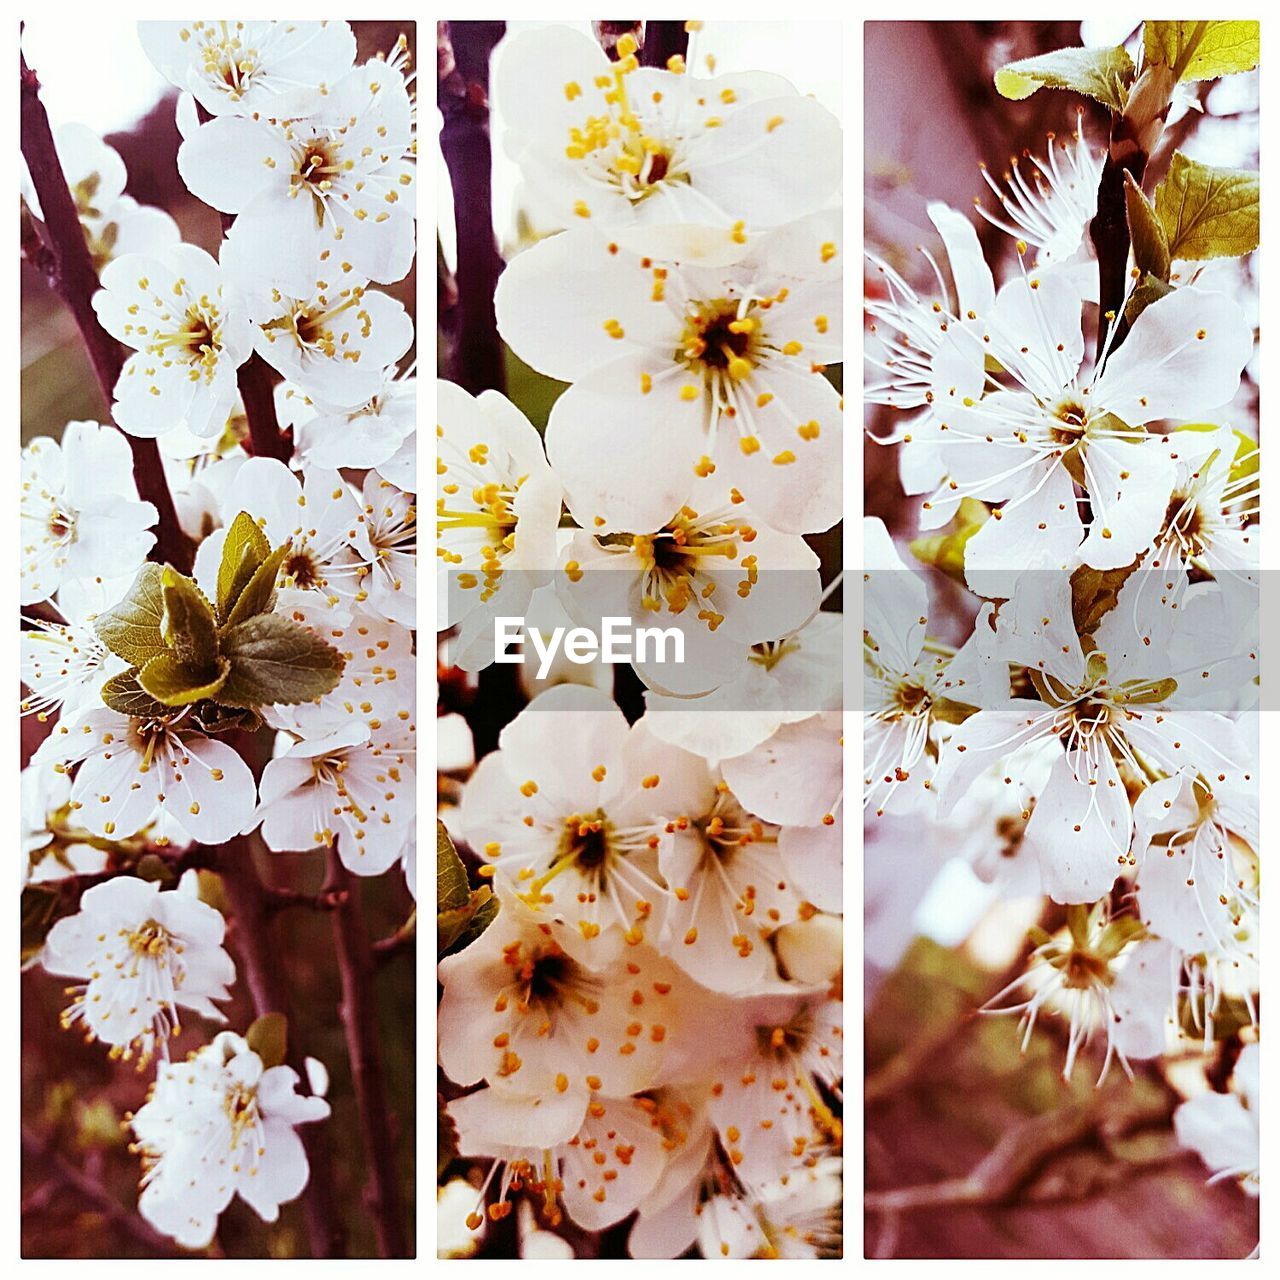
column 257, row 390
column 68, row 268
column 462, row 60
column 356, row 967
column 662, row 41
column 260, row 967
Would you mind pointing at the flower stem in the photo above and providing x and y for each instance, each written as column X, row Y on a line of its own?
column 258, row 394
column 69, row 271
column 356, row 964
column 462, row 94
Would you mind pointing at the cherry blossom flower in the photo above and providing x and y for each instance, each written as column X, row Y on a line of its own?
column 386, row 551
column 131, row 768
column 528, row 1010
column 250, row 68
column 188, row 337
column 776, row 681
column 51, row 847
column 1029, row 444
column 1050, row 205
column 351, row 790
column 80, row 514
column 661, row 157
column 334, row 180
column 680, row 370
column 767, row 1103
column 365, row 436
column 114, row 224
column 218, row 1125
column 1222, row 1128
column 497, row 510
column 577, row 832
column 1105, row 978
column 599, row 1163
column 711, row 570
column 910, row 684
column 64, row 664
column 1121, row 706
column 141, row 953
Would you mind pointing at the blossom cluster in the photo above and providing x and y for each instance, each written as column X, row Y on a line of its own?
column 651, row 1022
column 161, row 687
column 1093, row 739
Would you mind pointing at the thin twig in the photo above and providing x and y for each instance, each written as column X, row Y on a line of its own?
column 360, row 1024
column 68, row 268
column 462, row 57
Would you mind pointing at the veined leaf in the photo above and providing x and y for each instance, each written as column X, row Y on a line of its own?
column 171, row 681
column 244, row 550
column 124, row 694
column 1202, row 50
column 133, row 630
column 189, row 629
column 259, row 593
column 452, row 889
column 1103, row 74
column 1143, row 295
column 1208, row 212
column 274, row 661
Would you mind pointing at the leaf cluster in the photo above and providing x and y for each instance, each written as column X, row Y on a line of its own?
column 224, row 659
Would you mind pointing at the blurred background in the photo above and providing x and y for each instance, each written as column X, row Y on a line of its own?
column 944, row 1086
column 79, row 1181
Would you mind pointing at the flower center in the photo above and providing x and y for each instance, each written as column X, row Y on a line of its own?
column 150, row 940
column 1184, row 521
column 1071, row 421
column 301, row 570
column 721, row 336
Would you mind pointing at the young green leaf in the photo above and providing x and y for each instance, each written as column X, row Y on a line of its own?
column 1150, row 248
column 244, row 550
column 268, row 1037
column 1208, row 212
column 133, row 630
column 1143, row 295
column 274, row 661
column 1104, row 74
column 124, row 694
column 190, row 629
column 171, row 681
column 259, row 593
column 1202, row 50
column 452, row 889
column 945, row 549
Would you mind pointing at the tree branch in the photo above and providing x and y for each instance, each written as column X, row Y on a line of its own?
column 662, row 41
column 260, row 964
column 68, row 269
column 360, row 1024
column 462, row 59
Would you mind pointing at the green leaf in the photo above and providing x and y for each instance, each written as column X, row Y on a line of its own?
column 1150, row 290
column 1202, row 50
column 945, row 549
column 124, row 694
column 133, row 630
column 452, row 889
column 462, row 913
column 459, row 928
column 173, row 682
column 1150, row 248
column 244, row 550
column 1103, row 74
column 268, row 1037
column 274, row 661
column 189, row 628
column 1208, row 212
column 1094, row 593
column 259, row 593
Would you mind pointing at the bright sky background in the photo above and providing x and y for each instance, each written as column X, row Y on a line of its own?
column 808, row 53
